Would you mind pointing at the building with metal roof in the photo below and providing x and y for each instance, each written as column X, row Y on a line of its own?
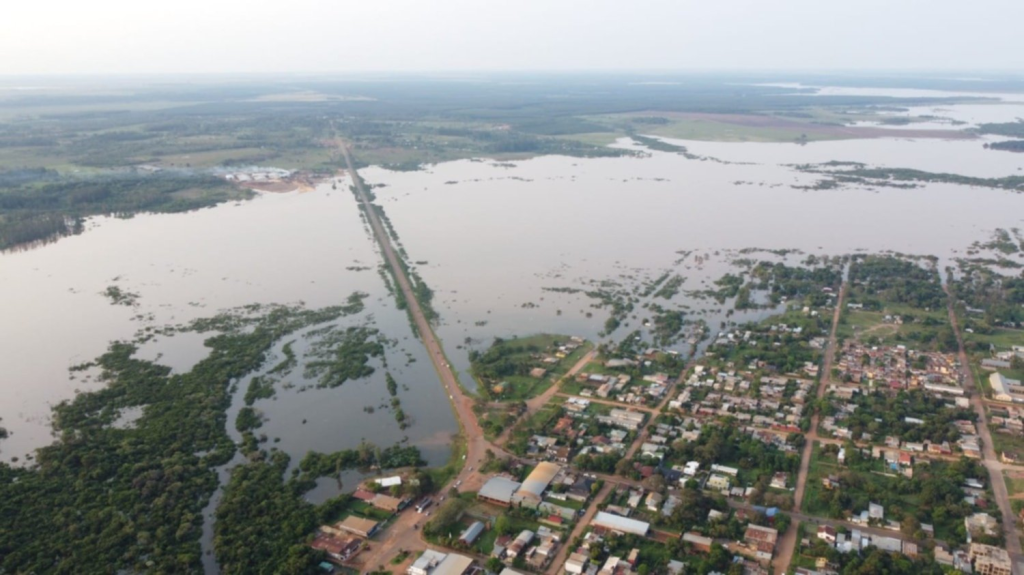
column 389, row 481
column 438, row 563
column 453, row 564
column 532, row 490
column 498, row 490
column 1003, row 388
column 471, row 533
column 620, row 524
column 427, row 562
column 358, row 526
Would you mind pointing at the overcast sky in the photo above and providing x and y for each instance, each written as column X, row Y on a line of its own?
column 245, row 36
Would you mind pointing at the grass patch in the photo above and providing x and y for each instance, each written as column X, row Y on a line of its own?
column 1012, row 444
column 1001, row 338
column 442, row 475
column 503, row 372
column 1014, row 482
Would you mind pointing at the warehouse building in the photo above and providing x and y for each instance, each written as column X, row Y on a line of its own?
column 531, row 493
column 619, row 524
column 498, row 490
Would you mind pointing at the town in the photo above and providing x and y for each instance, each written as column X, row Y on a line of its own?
column 789, row 446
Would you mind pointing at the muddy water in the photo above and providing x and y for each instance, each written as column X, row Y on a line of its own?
column 490, row 238
column 278, row 248
column 493, row 237
column 964, row 157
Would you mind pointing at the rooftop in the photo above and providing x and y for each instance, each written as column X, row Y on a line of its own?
column 539, row 479
column 621, row 524
column 499, row 488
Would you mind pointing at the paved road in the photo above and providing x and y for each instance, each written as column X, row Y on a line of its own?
column 788, row 541
column 989, row 458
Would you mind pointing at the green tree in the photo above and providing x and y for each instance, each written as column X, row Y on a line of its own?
column 502, row 525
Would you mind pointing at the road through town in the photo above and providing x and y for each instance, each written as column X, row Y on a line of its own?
column 403, row 534
column 989, row 458
column 788, row 541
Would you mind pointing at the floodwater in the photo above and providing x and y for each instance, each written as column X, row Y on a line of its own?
column 494, row 237
column 278, row 248
column 488, row 238
column 964, row 157
column 491, row 239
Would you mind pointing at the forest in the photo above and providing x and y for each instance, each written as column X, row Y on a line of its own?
column 790, row 282
column 93, row 154
column 891, row 279
column 263, row 521
column 44, row 208
column 999, row 296
column 104, row 498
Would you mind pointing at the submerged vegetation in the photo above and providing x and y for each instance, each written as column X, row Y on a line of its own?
column 663, row 146
column 843, row 173
column 396, row 404
column 118, row 296
column 1011, row 129
column 670, row 288
column 133, row 496
column 262, row 521
column 156, row 149
column 1007, row 146
column 343, row 354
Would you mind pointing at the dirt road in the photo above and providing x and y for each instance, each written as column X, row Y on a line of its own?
column 788, row 541
column 563, row 552
column 610, row 481
column 989, row 458
column 612, row 403
column 535, row 404
column 402, row 534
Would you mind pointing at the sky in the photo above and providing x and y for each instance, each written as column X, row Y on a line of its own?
column 323, row 36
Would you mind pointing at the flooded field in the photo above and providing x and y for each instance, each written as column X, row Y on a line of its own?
column 497, row 237
column 279, row 248
column 509, row 248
